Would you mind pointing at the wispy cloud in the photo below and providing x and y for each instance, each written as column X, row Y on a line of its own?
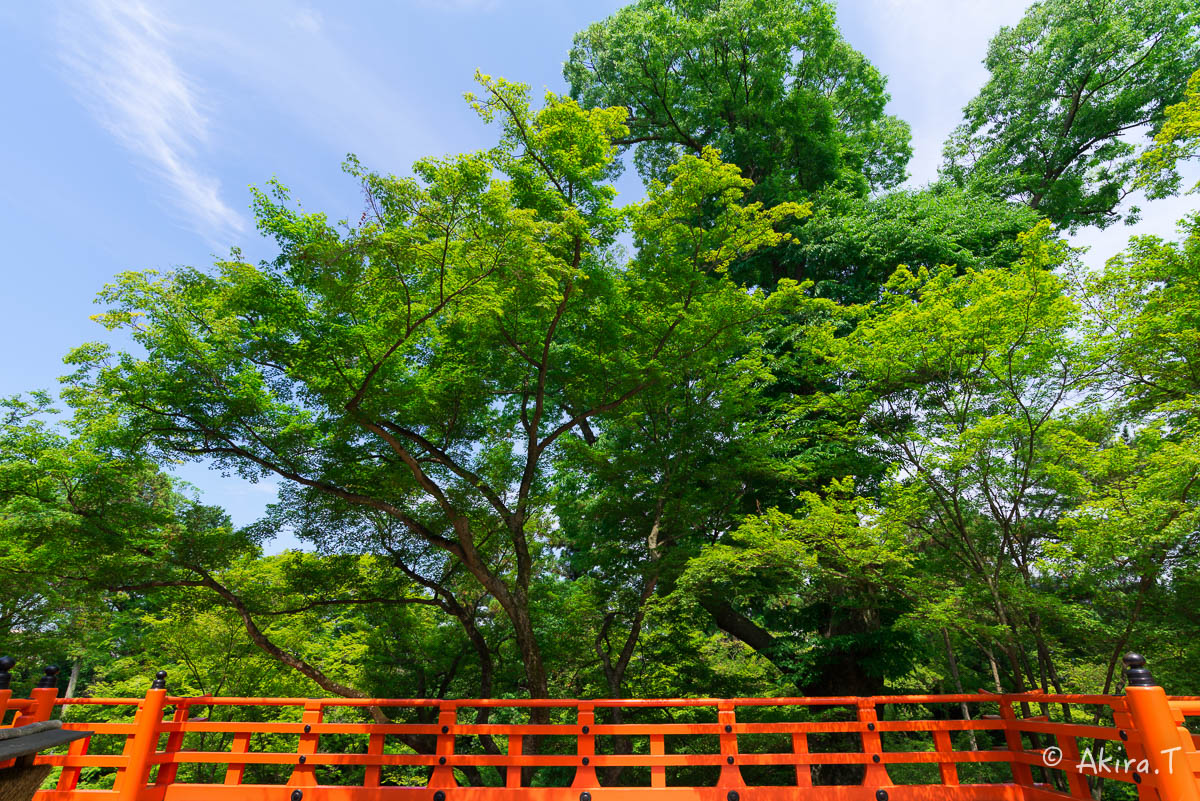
column 317, row 74
column 308, row 20
column 459, row 5
column 118, row 55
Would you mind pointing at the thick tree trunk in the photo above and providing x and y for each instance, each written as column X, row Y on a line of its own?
column 843, row 674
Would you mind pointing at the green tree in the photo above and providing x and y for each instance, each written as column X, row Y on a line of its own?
column 1131, row 540
column 1126, row 544
column 425, row 365
column 667, row 474
column 1177, row 140
column 79, row 523
column 851, row 245
column 67, row 511
column 770, row 83
column 961, row 380
column 806, row 589
column 776, row 88
column 1144, row 323
column 1069, row 84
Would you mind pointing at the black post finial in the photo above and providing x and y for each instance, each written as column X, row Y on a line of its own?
column 160, row 681
column 49, row 677
column 1136, row 672
column 7, row 663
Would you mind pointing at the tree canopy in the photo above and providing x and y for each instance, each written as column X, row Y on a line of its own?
column 782, row 426
column 770, row 83
column 421, row 369
column 1071, row 84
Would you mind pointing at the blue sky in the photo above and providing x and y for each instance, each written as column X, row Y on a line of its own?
column 133, row 129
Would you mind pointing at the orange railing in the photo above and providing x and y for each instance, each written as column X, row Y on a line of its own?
column 895, row 748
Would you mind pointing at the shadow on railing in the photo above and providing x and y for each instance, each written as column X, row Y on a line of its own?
column 886, row 748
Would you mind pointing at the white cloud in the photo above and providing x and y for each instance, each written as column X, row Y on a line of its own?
column 287, row 70
column 459, row 5
column 118, row 55
column 308, row 20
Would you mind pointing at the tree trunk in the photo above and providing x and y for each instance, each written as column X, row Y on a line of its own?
column 73, row 681
column 958, row 685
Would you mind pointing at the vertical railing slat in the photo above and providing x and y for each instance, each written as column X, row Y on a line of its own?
column 1076, row 782
column 585, row 747
column 876, row 775
column 803, row 772
column 1022, row 773
column 236, row 771
column 374, row 748
column 169, row 770
column 516, row 745
column 69, row 778
column 948, row 767
column 658, row 773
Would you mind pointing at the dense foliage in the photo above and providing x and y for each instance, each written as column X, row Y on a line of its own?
column 779, row 427
column 1071, row 83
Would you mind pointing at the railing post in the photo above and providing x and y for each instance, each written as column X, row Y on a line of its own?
column 236, row 771
column 658, row 773
column 69, row 778
column 141, row 746
column 443, row 774
column 585, row 748
column 800, row 747
column 304, row 775
column 944, row 744
column 1077, row 783
column 731, row 773
column 43, row 696
column 1167, row 744
column 876, row 775
column 512, row 771
column 374, row 772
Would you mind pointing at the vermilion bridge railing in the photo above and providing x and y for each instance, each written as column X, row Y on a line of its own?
column 1009, row 754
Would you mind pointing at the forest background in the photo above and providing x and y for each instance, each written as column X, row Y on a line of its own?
column 779, row 428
